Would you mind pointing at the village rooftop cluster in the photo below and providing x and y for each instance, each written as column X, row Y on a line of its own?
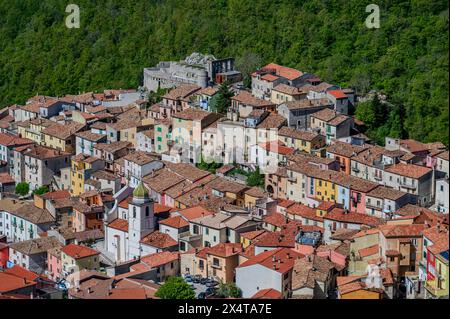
column 118, row 201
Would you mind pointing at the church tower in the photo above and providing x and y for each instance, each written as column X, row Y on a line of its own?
column 141, row 220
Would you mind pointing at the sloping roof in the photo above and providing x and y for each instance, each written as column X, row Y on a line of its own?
column 174, row 222
column 408, row 170
column 78, row 251
column 280, row 259
column 283, row 71
column 269, row 293
column 159, row 240
column 35, row 246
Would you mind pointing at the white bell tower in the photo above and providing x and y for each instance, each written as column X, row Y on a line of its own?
column 140, row 219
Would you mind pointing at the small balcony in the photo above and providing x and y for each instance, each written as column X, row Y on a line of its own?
column 432, row 288
column 355, row 169
column 407, row 185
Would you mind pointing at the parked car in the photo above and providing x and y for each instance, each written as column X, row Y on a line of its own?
column 201, row 295
column 196, row 280
column 212, row 283
column 203, row 281
column 188, row 279
column 210, row 291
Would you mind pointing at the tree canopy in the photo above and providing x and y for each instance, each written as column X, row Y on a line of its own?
column 22, row 189
column 175, row 288
column 406, row 58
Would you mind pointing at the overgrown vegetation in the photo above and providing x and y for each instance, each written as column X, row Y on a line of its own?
column 406, row 58
column 22, row 189
column 175, row 288
column 41, row 190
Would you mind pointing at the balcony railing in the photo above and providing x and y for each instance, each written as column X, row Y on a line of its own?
column 431, row 286
column 355, row 169
column 407, row 185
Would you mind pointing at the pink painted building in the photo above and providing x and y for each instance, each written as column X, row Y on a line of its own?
column 54, row 265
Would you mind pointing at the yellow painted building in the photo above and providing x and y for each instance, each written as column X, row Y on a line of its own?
column 82, row 167
column 76, row 258
column 438, row 287
column 32, row 129
column 61, row 137
column 325, row 190
column 306, row 141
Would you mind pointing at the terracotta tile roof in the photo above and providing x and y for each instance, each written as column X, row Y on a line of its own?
column 35, row 246
column 174, row 222
column 366, row 232
column 253, row 234
column 224, row 169
column 304, row 211
column 413, row 146
column 283, row 71
column 61, row 131
column 256, row 192
column 34, row 214
column 277, row 147
column 225, row 249
column 342, row 215
column 13, row 283
column 7, row 140
column 56, row 195
column 272, row 121
column 187, row 171
column 159, row 259
column 88, row 135
column 159, row 240
column 309, row 270
column 210, row 91
column 276, row 219
column 339, row 94
column 325, row 115
column 269, row 293
column 194, row 212
column 79, row 252
column 443, row 155
column 297, row 134
column 191, row 114
column 161, row 180
column 42, row 152
column 285, row 203
column 344, row 234
column 280, row 259
column 386, row 192
column 140, row 158
column 439, row 246
column 223, row 185
column 113, row 146
column 369, row 251
column 287, row 89
column 5, row 178
column 247, row 98
column 345, row 149
column 435, row 233
column 308, row 104
column 393, row 231
column 119, row 224
column 105, row 175
column 181, row 91
column 269, row 77
column 408, row 170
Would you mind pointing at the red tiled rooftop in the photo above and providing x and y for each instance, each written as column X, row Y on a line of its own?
column 119, row 224
column 174, row 222
column 408, row 170
column 280, row 259
column 78, row 251
column 158, row 240
column 369, row 251
column 159, row 259
column 194, row 212
column 267, row 294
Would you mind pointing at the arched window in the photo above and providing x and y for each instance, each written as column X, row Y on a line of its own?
column 134, row 211
column 147, row 211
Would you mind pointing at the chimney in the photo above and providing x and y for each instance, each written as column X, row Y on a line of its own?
column 274, row 258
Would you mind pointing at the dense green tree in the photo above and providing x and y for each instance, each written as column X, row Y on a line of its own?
column 41, row 190
column 255, row 178
column 175, row 288
column 229, row 290
column 406, row 58
column 22, row 189
column 222, row 100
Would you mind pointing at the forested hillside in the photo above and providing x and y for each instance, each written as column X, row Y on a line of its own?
column 407, row 58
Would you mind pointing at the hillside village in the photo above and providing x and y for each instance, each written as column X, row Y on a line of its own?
column 282, row 187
